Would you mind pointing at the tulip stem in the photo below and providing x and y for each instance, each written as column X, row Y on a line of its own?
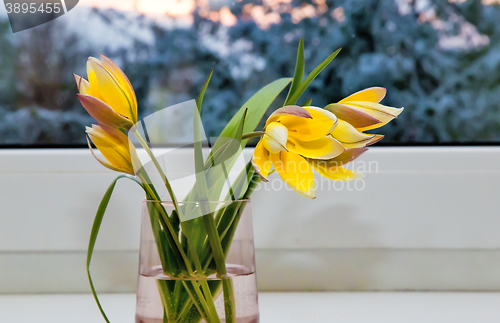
column 252, row 135
column 174, row 200
column 160, row 171
column 150, row 190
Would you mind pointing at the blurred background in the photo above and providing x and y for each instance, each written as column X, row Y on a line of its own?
column 439, row 59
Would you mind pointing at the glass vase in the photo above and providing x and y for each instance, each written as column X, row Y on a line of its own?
column 179, row 278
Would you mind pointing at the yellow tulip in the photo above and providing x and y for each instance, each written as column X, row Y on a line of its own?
column 293, row 135
column 359, row 112
column 113, row 145
column 108, row 95
column 297, row 140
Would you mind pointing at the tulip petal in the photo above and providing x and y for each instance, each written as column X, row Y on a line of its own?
column 307, row 129
column 109, row 89
column 77, row 78
column 377, row 108
column 355, row 116
column 372, row 94
column 104, row 163
column 347, row 156
column 383, row 113
column 375, row 139
column 113, row 145
column 293, row 110
column 261, row 161
column 349, row 136
column 112, row 155
column 296, row 172
column 117, row 139
column 83, row 85
column 325, row 114
column 118, row 136
column 94, row 86
column 335, row 173
column 332, row 168
column 323, row 148
column 275, row 137
column 103, row 112
column 122, row 79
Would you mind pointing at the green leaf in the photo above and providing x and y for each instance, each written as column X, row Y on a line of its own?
column 307, row 103
column 242, row 182
column 232, row 224
column 164, row 241
column 227, row 218
column 293, row 99
column 228, row 149
column 166, row 298
column 198, row 300
column 212, row 180
column 239, row 131
column 192, row 229
column 201, row 184
column 223, row 160
column 199, row 101
column 257, row 105
column 299, row 72
column 95, row 231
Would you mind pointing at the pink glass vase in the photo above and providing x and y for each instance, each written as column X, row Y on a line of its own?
column 179, row 279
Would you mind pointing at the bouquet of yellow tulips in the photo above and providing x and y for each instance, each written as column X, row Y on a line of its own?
column 193, row 236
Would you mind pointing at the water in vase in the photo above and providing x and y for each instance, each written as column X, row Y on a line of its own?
column 150, row 308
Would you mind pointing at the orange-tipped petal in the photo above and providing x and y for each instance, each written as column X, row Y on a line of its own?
column 261, row 161
column 356, row 117
column 77, row 78
column 83, row 85
column 103, row 112
column 347, row 156
column 296, row 172
column 383, row 113
column 372, row 94
column 335, row 173
column 332, row 168
column 122, row 79
column 349, row 136
column 323, row 148
column 109, row 89
column 289, row 110
column 375, row 139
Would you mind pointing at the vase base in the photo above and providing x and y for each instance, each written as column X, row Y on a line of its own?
column 150, row 308
column 252, row 319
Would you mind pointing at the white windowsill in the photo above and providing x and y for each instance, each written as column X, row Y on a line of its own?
column 276, row 308
column 428, row 219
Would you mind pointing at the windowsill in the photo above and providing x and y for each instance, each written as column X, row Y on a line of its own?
column 275, row 307
column 426, row 219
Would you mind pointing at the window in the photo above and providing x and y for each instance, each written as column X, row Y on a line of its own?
column 438, row 59
column 421, row 207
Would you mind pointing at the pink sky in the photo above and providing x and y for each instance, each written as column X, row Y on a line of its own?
column 184, row 8
column 262, row 15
